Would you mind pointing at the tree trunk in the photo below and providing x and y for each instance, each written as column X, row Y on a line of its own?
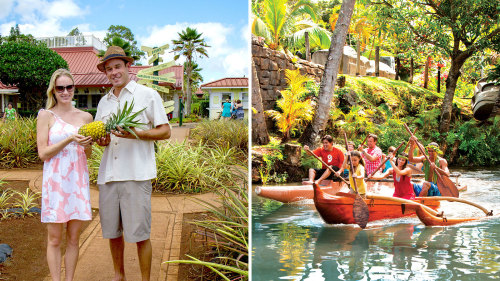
column 451, row 84
column 411, row 71
column 358, row 58
column 329, row 78
column 260, row 135
column 308, row 50
column 398, row 67
column 377, row 61
column 187, row 106
column 426, row 72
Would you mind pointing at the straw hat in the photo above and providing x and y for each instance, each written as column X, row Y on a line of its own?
column 113, row 52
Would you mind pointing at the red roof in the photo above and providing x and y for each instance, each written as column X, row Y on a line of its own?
column 82, row 62
column 240, row 82
column 7, row 88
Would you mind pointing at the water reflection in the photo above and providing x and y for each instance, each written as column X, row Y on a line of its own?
column 291, row 242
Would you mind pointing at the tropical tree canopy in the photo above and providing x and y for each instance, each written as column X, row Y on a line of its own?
column 126, row 35
column 455, row 29
column 283, row 25
column 29, row 67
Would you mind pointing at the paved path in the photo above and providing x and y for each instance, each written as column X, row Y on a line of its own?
column 167, row 213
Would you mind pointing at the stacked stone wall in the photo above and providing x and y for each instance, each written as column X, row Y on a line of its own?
column 271, row 66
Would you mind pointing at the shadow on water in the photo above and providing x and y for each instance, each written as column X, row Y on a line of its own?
column 291, row 242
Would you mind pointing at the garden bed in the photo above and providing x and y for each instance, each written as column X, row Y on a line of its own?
column 28, row 238
column 194, row 245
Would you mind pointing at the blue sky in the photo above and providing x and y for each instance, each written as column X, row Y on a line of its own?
column 224, row 25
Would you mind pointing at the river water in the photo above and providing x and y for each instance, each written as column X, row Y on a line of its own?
column 291, row 242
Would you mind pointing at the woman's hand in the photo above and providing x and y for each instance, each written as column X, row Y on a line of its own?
column 83, row 141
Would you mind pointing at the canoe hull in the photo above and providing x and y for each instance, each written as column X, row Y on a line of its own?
column 289, row 194
column 430, row 220
column 335, row 209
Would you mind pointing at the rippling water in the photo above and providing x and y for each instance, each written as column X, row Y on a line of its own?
column 291, row 242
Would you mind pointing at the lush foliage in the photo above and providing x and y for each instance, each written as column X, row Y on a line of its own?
column 184, row 167
column 477, row 142
column 29, row 66
column 283, row 24
column 227, row 232
column 18, row 143
column 222, row 133
column 293, row 110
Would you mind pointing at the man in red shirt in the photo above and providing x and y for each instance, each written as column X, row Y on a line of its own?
column 372, row 154
column 330, row 155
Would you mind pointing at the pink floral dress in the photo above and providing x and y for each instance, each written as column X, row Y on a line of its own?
column 65, row 187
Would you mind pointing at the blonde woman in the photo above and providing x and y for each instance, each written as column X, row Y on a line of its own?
column 65, row 187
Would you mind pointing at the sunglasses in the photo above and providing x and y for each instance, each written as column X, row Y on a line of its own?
column 69, row 88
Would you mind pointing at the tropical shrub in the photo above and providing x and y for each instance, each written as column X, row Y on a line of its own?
column 478, row 142
column 226, row 233
column 293, row 111
column 18, row 143
column 222, row 133
column 194, row 168
column 26, row 201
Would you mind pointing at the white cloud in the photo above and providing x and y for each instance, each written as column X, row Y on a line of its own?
column 237, row 63
column 5, row 28
column 6, row 7
column 63, row 9
column 224, row 59
column 42, row 18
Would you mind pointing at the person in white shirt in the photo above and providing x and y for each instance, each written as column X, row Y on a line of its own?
column 128, row 164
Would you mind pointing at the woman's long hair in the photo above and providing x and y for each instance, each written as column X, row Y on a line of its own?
column 51, row 99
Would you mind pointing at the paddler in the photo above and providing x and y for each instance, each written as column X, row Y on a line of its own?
column 330, row 155
column 401, row 174
column 438, row 164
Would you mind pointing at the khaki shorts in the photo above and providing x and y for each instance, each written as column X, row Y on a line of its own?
column 125, row 208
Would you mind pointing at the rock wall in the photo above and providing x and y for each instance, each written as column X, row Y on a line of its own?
column 271, row 67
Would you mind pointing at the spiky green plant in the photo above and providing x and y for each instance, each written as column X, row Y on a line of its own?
column 18, row 143
column 5, row 196
column 229, row 229
column 217, row 133
column 26, row 201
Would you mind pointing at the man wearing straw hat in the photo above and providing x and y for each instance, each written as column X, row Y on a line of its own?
column 128, row 164
column 437, row 165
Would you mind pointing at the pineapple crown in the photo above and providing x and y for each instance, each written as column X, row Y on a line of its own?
column 125, row 119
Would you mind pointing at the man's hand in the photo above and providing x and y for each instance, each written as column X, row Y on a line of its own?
column 104, row 141
column 124, row 134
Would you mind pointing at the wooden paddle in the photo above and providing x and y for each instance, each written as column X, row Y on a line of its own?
column 328, row 167
column 359, row 208
column 386, row 159
column 445, row 185
column 363, row 140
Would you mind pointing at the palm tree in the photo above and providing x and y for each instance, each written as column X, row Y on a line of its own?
column 294, row 110
column 283, row 26
column 196, row 78
column 190, row 45
column 120, row 42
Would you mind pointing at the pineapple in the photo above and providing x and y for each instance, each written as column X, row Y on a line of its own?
column 123, row 118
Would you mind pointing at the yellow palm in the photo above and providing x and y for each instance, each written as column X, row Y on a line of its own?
column 294, row 111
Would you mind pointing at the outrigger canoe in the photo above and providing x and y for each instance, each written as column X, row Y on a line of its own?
column 430, row 219
column 337, row 209
column 290, row 194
